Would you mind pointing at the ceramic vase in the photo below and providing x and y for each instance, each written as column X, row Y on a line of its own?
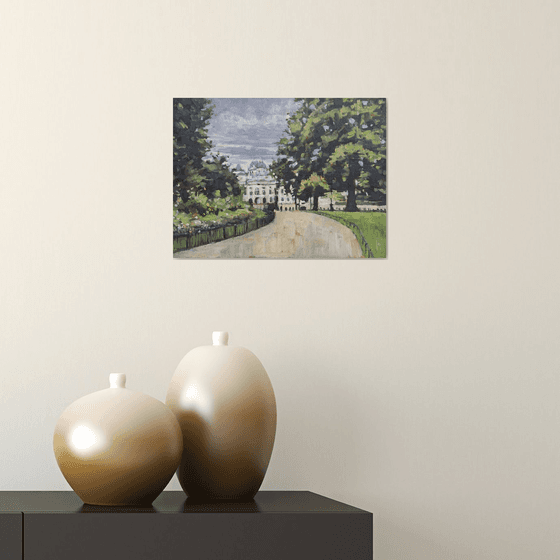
column 225, row 405
column 118, row 447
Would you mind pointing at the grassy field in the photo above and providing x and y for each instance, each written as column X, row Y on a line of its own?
column 373, row 226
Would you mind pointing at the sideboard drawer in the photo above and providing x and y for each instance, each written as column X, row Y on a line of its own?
column 11, row 526
column 198, row 536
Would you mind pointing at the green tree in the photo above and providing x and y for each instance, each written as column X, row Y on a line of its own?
column 348, row 136
column 314, row 187
column 199, row 176
column 190, row 146
column 340, row 140
column 222, row 181
column 292, row 166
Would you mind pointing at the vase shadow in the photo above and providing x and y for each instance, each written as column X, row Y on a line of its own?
column 193, row 505
column 87, row 508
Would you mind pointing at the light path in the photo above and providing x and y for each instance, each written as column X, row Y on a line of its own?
column 296, row 235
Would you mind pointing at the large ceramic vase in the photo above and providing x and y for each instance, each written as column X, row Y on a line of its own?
column 118, row 447
column 225, row 405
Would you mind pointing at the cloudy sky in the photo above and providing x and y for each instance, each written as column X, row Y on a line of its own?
column 248, row 129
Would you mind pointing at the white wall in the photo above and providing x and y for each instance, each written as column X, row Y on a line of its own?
column 423, row 387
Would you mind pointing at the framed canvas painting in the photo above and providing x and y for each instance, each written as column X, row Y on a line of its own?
column 300, row 178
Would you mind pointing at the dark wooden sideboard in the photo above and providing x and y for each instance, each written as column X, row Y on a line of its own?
column 276, row 525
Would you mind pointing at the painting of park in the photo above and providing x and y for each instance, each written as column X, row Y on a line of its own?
column 300, row 178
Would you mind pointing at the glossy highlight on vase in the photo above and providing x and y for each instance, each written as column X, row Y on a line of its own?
column 117, row 447
column 225, row 405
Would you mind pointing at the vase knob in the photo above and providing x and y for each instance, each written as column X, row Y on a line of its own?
column 117, row 380
column 220, row 338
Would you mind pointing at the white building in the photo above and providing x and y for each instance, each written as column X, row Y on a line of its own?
column 259, row 187
column 286, row 201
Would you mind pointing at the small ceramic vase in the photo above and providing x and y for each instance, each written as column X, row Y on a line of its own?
column 117, row 447
column 225, row 404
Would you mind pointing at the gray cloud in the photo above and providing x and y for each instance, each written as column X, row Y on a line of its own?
column 248, row 128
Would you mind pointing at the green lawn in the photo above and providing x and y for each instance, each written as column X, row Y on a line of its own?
column 373, row 226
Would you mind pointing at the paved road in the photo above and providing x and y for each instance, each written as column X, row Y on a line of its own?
column 296, row 235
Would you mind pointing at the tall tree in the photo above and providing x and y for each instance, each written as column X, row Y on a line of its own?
column 198, row 175
column 340, row 140
column 222, row 181
column 349, row 138
column 294, row 155
column 190, row 145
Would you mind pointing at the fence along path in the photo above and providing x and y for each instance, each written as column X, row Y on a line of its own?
column 183, row 241
column 296, row 235
column 366, row 249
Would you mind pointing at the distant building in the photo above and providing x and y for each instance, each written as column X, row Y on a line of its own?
column 285, row 201
column 259, row 187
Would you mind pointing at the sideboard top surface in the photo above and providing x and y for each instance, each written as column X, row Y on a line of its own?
column 174, row 502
